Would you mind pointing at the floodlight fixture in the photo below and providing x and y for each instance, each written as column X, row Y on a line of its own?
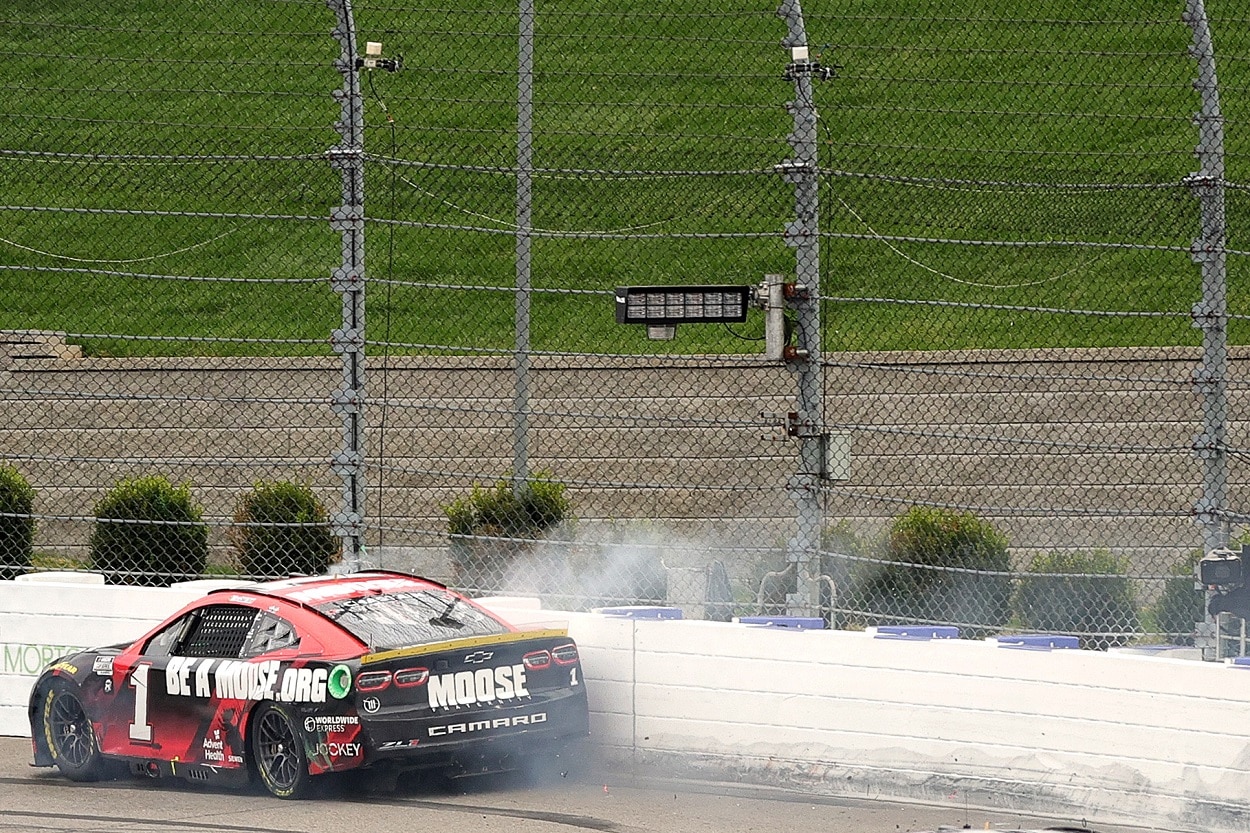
column 662, row 308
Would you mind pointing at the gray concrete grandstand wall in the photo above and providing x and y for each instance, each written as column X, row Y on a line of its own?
column 1120, row 474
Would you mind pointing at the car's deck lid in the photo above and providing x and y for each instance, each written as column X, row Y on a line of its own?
column 468, row 643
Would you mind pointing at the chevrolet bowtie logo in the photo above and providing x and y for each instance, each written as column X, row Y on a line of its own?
column 478, row 656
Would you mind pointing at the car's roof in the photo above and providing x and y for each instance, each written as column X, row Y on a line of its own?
column 315, row 590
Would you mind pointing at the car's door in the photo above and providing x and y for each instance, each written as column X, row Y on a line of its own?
column 180, row 695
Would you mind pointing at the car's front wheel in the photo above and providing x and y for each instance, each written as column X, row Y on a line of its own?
column 68, row 732
column 278, row 752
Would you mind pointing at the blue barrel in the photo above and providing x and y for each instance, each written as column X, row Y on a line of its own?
column 1039, row 641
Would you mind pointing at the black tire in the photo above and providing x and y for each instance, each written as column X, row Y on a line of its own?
column 68, row 732
column 278, row 752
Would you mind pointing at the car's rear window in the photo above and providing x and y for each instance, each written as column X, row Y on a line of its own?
column 387, row 621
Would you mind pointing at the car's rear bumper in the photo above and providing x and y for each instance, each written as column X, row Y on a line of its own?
column 416, row 733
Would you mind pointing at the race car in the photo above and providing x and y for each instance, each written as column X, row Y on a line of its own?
column 281, row 682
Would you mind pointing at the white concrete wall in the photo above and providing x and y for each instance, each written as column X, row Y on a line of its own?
column 48, row 615
column 1120, row 737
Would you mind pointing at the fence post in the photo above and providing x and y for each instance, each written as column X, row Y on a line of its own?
column 803, row 550
column 524, row 213
column 349, row 281
column 1210, row 314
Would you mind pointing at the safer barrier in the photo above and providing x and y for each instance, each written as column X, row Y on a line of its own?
column 1144, row 736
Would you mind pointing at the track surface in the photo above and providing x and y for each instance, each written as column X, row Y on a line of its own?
column 41, row 801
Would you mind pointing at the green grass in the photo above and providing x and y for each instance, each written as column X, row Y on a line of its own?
column 52, row 561
column 937, row 116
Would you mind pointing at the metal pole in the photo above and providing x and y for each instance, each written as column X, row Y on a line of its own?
column 349, row 281
column 524, row 204
column 803, row 550
column 1211, row 313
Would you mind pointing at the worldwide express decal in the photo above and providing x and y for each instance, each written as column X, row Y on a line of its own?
column 228, row 679
column 332, row 741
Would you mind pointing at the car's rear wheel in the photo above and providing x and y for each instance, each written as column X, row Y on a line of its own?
column 69, row 734
column 278, row 752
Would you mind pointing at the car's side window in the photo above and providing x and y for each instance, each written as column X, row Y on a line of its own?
column 269, row 633
column 217, row 631
column 164, row 642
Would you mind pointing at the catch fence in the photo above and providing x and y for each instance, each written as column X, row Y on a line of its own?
column 291, row 284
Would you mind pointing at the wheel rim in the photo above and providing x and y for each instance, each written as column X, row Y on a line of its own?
column 276, row 751
column 71, row 730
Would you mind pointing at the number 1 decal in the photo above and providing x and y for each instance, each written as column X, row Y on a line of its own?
column 573, row 676
column 141, row 730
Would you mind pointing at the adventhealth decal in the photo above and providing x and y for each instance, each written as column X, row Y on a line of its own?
column 229, row 679
column 215, row 750
column 485, row 685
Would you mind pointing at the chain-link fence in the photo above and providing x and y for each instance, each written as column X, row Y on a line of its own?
column 293, row 284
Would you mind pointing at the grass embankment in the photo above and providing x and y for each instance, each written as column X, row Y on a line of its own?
column 178, row 139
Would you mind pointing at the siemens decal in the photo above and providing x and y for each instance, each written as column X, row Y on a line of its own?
column 485, row 685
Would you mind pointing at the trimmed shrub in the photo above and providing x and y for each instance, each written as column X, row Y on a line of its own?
column 17, row 526
column 1084, row 593
column 940, row 566
column 492, row 528
column 149, row 532
column 1181, row 604
column 281, row 529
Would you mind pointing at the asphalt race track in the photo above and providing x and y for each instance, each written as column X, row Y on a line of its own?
column 41, row 801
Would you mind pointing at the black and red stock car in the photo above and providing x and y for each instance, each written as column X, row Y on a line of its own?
column 286, row 680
